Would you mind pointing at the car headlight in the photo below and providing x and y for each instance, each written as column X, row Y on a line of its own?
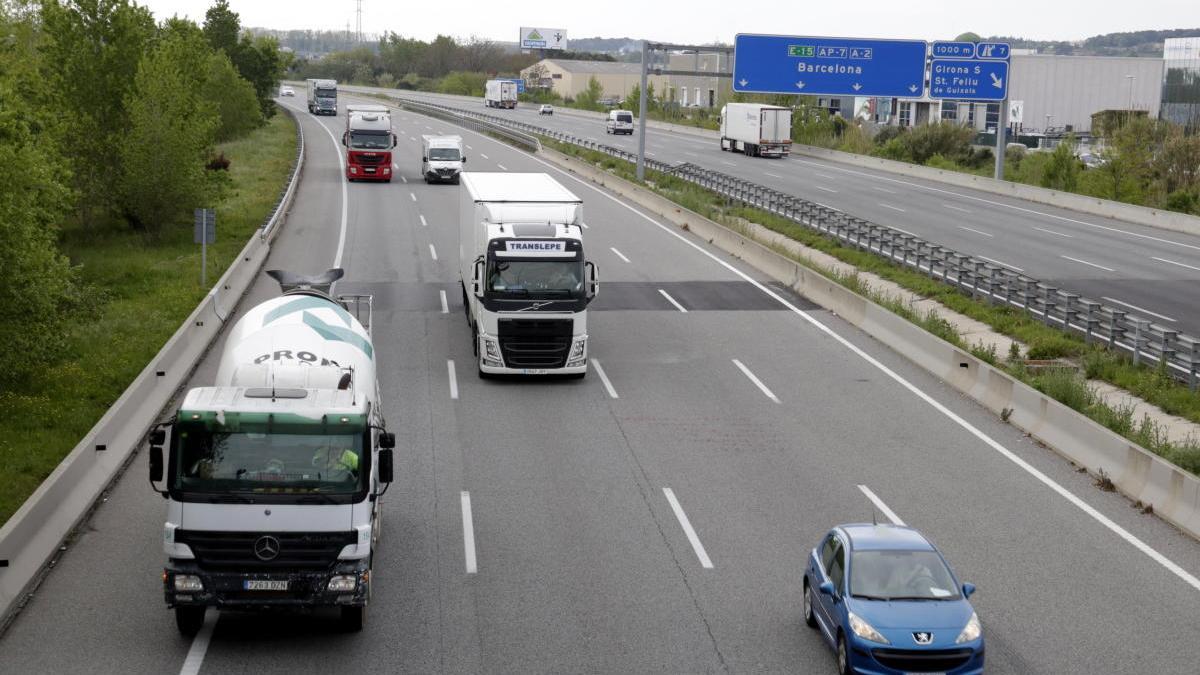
column 865, row 630
column 972, row 631
column 188, row 583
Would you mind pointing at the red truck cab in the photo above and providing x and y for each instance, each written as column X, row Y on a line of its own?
column 369, row 141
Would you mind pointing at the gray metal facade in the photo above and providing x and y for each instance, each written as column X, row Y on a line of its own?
column 1071, row 88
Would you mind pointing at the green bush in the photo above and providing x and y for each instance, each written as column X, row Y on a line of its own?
column 233, row 97
column 463, row 83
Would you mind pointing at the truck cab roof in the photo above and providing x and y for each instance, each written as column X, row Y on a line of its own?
column 228, row 407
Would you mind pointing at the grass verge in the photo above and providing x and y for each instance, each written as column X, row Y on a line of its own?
column 146, row 287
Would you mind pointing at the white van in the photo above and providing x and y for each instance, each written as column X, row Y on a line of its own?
column 619, row 122
column 442, row 158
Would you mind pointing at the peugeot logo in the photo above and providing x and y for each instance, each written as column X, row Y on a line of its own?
column 922, row 638
column 266, row 548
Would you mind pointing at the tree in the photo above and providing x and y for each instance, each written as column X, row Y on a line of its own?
column 590, row 97
column 258, row 60
column 222, row 27
column 1061, row 171
column 232, row 97
column 968, row 37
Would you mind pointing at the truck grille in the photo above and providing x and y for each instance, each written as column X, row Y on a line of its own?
column 367, row 159
column 929, row 661
column 535, row 343
column 312, row 550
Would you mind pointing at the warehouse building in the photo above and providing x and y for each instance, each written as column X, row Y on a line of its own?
column 569, row 78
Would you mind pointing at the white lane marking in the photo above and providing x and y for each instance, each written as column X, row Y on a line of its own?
column 483, row 155
column 445, row 304
column 502, row 167
column 649, row 154
column 672, row 301
column 1139, row 309
column 971, row 229
column 1172, row 262
column 403, row 180
column 687, row 529
column 890, row 192
column 583, row 225
column 413, row 195
column 429, row 127
column 1007, row 206
column 433, row 251
column 413, row 139
column 757, row 382
column 619, row 254
column 1057, row 234
column 1002, row 264
column 901, row 230
column 195, row 655
column 337, row 258
column 1084, row 262
column 470, row 148
column 690, row 154
column 772, row 175
column 612, row 393
column 891, row 515
column 593, row 139
column 728, row 163
column 825, row 175
column 468, row 533
column 423, row 223
column 821, row 187
column 453, row 375
column 894, row 208
column 395, row 167
column 956, row 208
column 1063, row 492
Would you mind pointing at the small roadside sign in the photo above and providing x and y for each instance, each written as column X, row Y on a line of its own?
column 205, row 230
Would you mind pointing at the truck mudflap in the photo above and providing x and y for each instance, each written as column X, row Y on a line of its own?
column 259, row 589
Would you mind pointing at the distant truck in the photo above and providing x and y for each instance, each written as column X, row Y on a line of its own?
column 526, row 281
column 369, row 141
column 442, row 158
column 500, row 94
column 322, row 97
column 274, row 475
column 756, row 129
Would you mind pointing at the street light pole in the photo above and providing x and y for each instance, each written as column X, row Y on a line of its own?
column 641, row 161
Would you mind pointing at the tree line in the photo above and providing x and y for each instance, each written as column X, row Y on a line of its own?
column 108, row 119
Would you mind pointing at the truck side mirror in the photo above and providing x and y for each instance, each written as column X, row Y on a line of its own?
column 385, row 466
column 464, row 160
column 158, row 437
column 344, row 138
column 477, row 279
column 424, row 158
column 387, row 440
column 593, row 283
column 394, row 140
column 156, row 463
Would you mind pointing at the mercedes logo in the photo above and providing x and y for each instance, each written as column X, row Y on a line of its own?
column 266, row 548
column 923, row 638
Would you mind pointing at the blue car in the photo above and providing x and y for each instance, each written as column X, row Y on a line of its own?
column 884, row 599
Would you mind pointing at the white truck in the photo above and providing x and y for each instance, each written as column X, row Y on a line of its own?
column 756, row 129
column 500, row 94
column 322, row 97
column 526, row 282
column 442, row 158
column 274, row 475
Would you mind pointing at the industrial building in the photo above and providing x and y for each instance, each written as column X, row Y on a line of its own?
column 569, row 78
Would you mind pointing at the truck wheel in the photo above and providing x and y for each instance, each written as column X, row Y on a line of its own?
column 353, row 618
column 189, row 620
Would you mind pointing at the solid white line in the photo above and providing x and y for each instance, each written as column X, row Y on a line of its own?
column 483, row 155
column 893, row 227
column 341, row 247
column 445, row 305
column 1084, row 262
column 413, row 195
column 619, row 254
column 433, row 251
column 468, row 533
column 1140, row 309
column 971, row 229
column 1057, row 234
column 819, row 187
column 687, row 529
column 423, row 223
column 604, row 378
column 890, row 192
column 894, row 208
column 1002, row 264
column 1172, row 262
column 956, row 208
column 1063, row 492
column 195, row 655
column 768, row 173
column 891, row 515
column 762, row 387
column 453, row 377
column 672, row 301
column 502, row 167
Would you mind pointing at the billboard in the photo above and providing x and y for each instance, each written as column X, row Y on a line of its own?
column 543, row 38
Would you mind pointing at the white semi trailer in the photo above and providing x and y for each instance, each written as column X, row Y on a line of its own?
column 274, row 474
column 526, row 281
column 500, row 94
column 756, row 129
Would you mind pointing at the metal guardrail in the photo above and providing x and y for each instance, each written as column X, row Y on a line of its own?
column 1097, row 322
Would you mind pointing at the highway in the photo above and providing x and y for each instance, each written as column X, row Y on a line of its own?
column 1151, row 273
column 652, row 517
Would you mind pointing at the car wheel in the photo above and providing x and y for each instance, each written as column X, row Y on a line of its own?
column 809, row 617
column 189, row 620
column 843, row 656
column 353, row 618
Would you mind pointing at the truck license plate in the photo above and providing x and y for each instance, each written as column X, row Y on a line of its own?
column 534, row 371
column 264, row 585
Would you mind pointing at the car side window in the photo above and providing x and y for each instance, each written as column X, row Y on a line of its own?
column 837, row 568
column 827, row 552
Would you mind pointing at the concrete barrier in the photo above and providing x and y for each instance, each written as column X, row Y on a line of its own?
column 36, row 532
column 1134, row 471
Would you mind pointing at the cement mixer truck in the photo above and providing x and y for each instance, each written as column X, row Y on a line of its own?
column 274, row 475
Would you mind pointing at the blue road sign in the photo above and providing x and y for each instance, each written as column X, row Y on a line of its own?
column 780, row 64
column 992, row 50
column 953, row 50
column 968, row 80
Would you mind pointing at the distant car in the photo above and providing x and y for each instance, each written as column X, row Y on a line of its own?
column 1091, row 161
column 546, row 109
column 286, row 91
column 885, row 600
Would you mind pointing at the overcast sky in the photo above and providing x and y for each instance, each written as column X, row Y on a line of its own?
column 701, row 21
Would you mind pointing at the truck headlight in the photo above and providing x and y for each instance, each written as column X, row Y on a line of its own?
column 387, row 169
column 972, row 631
column 188, row 583
column 343, row 583
column 578, row 355
column 491, row 353
column 354, row 169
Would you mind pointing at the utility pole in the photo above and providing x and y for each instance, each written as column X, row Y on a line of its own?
column 1001, row 138
column 358, row 22
column 641, row 163
column 1131, row 78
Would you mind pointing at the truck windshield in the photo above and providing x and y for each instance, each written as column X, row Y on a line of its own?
column 266, row 463
column 444, row 154
column 370, row 140
column 533, row 278
column 327, row 93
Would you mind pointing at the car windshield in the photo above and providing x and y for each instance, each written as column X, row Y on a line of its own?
column 533, row 278
column 370, row 140
column 444, row 154
column 266, row 463
column 901, row 575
